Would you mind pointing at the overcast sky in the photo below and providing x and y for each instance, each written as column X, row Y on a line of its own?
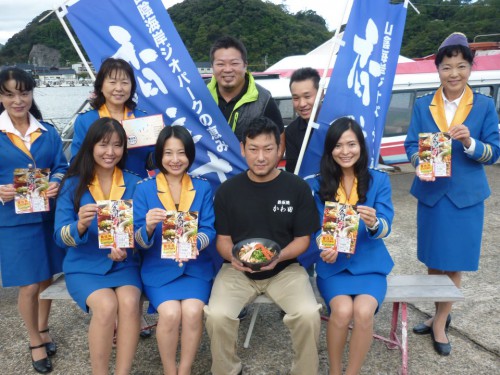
column 16, row 14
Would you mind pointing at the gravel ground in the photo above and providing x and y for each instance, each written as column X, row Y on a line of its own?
column 473, row 332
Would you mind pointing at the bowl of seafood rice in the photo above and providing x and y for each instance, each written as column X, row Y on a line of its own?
column 256, row 252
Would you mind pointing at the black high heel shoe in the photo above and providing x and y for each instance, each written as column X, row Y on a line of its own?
column 441, row 348
column 423, row 329
column 51, row 346
column 42, row 366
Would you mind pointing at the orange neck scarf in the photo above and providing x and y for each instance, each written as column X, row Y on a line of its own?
column 19, row 143
column 353, row 196
column 117, row 187
column 187, row 193
column 104, row 112
column 463, row 110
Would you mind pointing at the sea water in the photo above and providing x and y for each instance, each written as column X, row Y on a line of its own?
column 59, row 104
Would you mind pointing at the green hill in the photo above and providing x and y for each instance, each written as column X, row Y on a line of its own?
column 270, row 32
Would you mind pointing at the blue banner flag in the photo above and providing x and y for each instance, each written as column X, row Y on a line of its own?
column 168, row 82
column 361, row 82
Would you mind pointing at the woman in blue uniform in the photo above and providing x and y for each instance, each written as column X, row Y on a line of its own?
column 178, row 290
column 106, row 281
column 353, row 286
column 114, row 90
column 28, row 255
column 451, row 205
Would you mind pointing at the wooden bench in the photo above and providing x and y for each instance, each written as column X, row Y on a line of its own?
column 57, row 290
column 401, row 290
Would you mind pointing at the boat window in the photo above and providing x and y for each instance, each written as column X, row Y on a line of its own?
column 485, row 90
column 399, row 113
column 286, row 108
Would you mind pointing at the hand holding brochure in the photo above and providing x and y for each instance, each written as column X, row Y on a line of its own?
column 340, row 227
column 434, row 154
column 179, row 235
column 31, row 186
column 115, row 224
column 142, row 131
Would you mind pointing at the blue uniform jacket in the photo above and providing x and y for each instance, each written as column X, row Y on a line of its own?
column 371, row 255
column 467, row 185
column 137, row 158
column 82, row 253
column 47, row 153
column 156, row 271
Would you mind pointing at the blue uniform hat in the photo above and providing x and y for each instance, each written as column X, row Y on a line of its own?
column 455, row 39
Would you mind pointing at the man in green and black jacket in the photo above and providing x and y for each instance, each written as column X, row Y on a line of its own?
column 234, row 89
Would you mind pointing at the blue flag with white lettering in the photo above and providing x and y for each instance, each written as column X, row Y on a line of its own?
column 361, row 83
column 168, row 82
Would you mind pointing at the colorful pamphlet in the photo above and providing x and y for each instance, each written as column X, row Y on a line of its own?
column 340, row 227
column 31, row 186
column 115, row 224
column 143, row 131
column 434, row 154
column 179, row 235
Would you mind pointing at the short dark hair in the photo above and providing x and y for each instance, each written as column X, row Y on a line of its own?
column 228, row 42
column 24, row 82
column 112, row 66
column 454, row 50
column 83, row 164
column 261, row 125
column 303, row 74
column 180, row 133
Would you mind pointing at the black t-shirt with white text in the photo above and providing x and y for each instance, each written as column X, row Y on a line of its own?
column 280, row 210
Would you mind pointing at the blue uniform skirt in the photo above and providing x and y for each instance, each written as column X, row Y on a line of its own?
column 449, row 238
column 347, row 284
column 184, row 287
column 81, row 285
column 28, row 254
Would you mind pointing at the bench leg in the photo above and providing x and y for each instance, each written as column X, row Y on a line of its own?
column 404, row 338
column 393, row 336
column 246, row 344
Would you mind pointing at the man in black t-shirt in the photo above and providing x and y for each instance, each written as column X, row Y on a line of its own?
column 267, row 203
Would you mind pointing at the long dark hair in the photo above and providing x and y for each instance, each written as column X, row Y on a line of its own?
column 83, row 164
column 110, row 68
column 180, row 133
column 24, row 82
column 331, row 172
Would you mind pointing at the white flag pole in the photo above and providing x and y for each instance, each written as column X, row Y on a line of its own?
column 336, row 42
column 61, row 11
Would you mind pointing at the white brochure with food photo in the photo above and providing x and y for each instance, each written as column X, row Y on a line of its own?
column 143, row 131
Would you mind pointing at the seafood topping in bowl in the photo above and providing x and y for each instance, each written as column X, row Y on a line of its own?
column 256, row 252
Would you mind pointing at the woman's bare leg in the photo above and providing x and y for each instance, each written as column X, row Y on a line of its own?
column 104, row 306
column 338, row 326
column 167, row 334
column 192, row 328
column 27, row 304
column 44, row 306
column 444, row 309
column 362, row 332
column 129, row 318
